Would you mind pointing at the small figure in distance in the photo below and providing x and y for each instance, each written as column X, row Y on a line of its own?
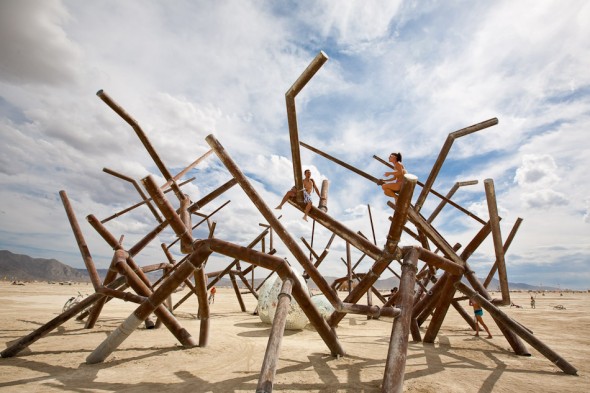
column 391, row 186
column 532, row 302
column 512, row 304
column 477, row 310
column 212, row 295
column 308, row 187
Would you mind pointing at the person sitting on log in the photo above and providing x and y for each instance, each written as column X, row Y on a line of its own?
column 308, row 188
column 391, row 186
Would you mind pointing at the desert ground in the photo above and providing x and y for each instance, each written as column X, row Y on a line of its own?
column 152, row 360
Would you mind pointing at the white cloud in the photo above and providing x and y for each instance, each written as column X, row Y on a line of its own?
column 544, row 199
column 41, row 52
column 400, row 77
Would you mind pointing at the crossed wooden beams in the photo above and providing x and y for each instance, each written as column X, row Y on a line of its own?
column 408, row 308
column 441, row 296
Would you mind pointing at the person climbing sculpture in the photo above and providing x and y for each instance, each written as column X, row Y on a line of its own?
column 393, row 181
column 308, row 188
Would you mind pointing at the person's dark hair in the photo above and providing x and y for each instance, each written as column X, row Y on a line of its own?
column 398, row 155
column 307, row 170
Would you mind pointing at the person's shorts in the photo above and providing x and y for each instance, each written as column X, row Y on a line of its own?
column 306, row 196
column 479, row 312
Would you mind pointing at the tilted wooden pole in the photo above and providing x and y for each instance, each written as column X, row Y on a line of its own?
column 144, row 140
column 497, row 237
column 269, row 364
column 443, row 155
column 518, row 329
column 290, row 95
column 506, row 246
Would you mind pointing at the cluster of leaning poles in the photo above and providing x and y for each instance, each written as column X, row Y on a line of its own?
column 409, row 307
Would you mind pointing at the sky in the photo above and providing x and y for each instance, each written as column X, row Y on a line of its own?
column 401, row 76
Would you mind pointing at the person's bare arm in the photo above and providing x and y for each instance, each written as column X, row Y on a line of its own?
column 315, row 187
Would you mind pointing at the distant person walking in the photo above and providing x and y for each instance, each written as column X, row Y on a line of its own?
column 212, row 295
column 478, row 311
column 532, row 302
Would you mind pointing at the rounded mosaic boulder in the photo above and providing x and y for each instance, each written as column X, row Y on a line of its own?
column 268, row 300
column 323, row 305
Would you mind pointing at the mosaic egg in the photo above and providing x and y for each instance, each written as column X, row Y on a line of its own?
column 268, row 299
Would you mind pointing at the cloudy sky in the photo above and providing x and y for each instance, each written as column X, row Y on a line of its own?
column 401, row 76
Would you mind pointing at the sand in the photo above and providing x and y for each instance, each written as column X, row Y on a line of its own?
column 151, row 360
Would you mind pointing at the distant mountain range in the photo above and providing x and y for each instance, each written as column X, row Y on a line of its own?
column 24, row 268
column 16, row 267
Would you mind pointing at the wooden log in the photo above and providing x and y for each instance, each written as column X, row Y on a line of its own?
column 17, row 346
column 212, row 195
column 145, row 201
column 442, row 306
column 82, row 246
column 505, row 249
column 290, row 95
column 323, row 204
column 185, row 217
column 284, row 271
column 234, row 284
column 388, row 254
column 144, row 197
column 141, row 313
column 565, row 366
column 144, row 140
column 271, row 355
column 395, row 365
column 122, row 265
column 204, row 312
column 443, row 155
column 447, row 198
column 273, row 221
column 466, row 316
column 497, row 237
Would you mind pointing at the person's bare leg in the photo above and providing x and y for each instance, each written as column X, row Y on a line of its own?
column 390, row 189
column 486, row 328
column 307, row 209
column 477, row 327
column 288, row 195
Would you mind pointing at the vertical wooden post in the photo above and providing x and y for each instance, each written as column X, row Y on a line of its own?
column 348, row 267
column 497, row 237
column 393, row 377
column 185, row 216
column 323, row 205
column 290, row 95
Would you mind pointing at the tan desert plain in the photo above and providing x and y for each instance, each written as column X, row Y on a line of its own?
column 152, row 360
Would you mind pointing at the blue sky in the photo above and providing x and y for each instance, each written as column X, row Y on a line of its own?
column 401, row 76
